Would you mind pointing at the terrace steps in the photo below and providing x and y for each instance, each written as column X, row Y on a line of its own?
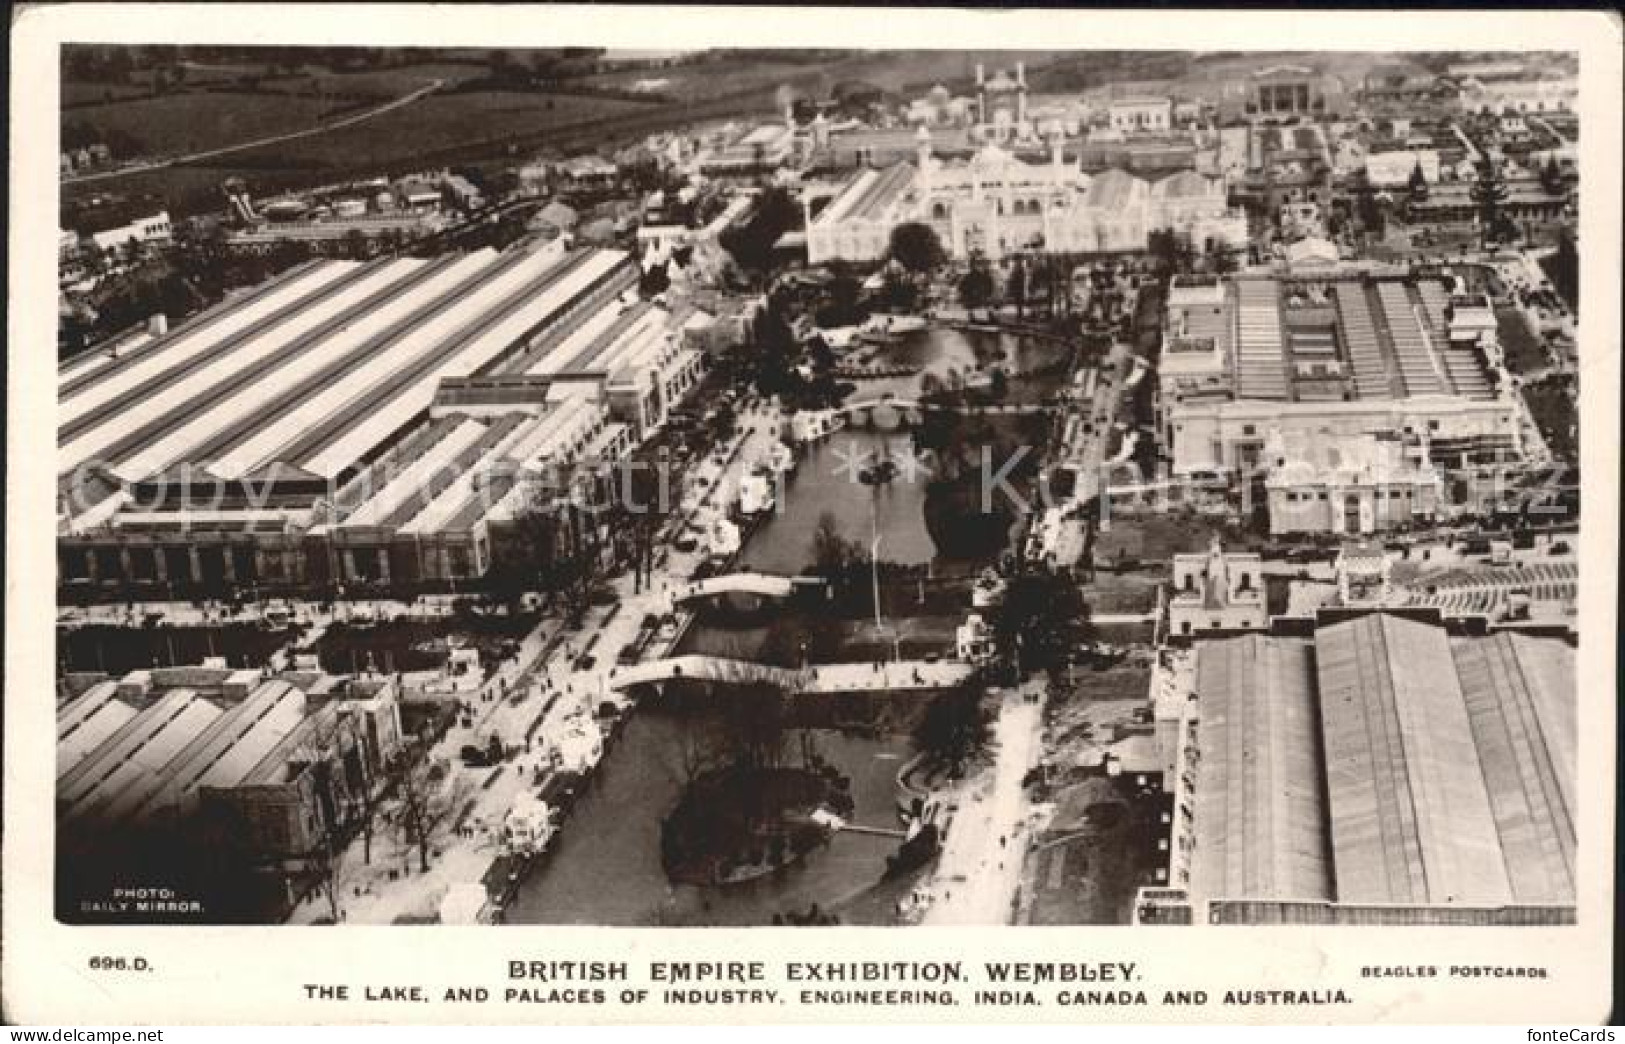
column 1412, row 350
column 1360, row 340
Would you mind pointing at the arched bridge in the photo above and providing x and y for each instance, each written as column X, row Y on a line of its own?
column 763, row 585
column 825, row 679
column 707, row 668
column 893, row 413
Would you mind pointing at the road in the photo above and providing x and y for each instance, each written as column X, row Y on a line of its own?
column 348, row 121
column 979, row 869
column 542, row 695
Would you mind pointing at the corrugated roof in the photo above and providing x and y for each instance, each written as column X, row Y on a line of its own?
column 1260, row 801
column 1112, row 190
column 1520, row 702
column 1410, row 813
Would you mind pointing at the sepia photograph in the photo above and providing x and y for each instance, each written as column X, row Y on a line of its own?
column 815, row 487
column 550, row 482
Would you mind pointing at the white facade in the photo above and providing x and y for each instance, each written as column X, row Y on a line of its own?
column 1217, row 591
column 996, row 204
column 148, row 230
column 1140, row 115
column 1394, row 169
column 1348, row 485
column 1520, row 96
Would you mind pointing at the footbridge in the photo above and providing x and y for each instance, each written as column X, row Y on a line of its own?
column 707, row 668
column 898, row 412
column 920, row 676
column 763, row 585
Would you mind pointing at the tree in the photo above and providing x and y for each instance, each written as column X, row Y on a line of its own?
column 1172, row 250
column 835, row 558
column 916, row 247
column 1489, row 195
column 1220, row 260
column 1563, row 268
column 555, row 547
column 1042, row 617
column 655, row 281
column 428, row 798
column 1016, row 289
column 751, row 242
column 955, row 726
column 976, row 288
column 1366, row 207
column 772, row 363
column 1419, row 184
column 1552, row 179
column 843, row 304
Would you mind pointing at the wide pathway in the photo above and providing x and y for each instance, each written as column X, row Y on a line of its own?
column 979, row 870
column 548, row 692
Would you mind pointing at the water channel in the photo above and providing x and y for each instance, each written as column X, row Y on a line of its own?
column 606, row 867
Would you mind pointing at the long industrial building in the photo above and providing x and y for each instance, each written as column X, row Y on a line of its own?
column 1381, row 771
column 148, row 764
column 1320, row 363
column 357, row 407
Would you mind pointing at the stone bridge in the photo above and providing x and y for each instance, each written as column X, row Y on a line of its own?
column 895, row 413
column 762, row 585
column 919, row 676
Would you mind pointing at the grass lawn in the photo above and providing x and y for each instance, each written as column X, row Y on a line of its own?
column 1524, row 351
column 80, row 94
column 437, row 122
column 1154, row 539
column 1551, row 402
column 1114, row 593
column 394, row 143
column 1099, row 850
column 381, row 84
column 175, row 124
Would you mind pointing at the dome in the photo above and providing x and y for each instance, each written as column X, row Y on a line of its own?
column 1187, row 184
column 1111, row 189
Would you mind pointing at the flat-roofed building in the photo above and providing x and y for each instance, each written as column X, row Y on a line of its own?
column 759, row 150
column 1395, row 168
column 1328, row 354
column 1216, row 591
column 154, row 230
column 1347, row 485
column 1382, row 771
column 1137, row 115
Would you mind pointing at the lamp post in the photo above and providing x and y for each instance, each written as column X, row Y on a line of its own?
column 874, row 570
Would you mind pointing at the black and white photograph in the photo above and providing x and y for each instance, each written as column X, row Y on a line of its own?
column 890, row 485
column 1054, row 473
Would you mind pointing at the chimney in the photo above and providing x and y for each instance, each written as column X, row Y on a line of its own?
column 980, row 77
column 1021, row 75
column 158, row 325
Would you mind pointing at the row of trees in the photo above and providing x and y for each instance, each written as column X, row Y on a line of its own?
column 750, row 242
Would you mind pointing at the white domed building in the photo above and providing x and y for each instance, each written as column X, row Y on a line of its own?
column 995, row 204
